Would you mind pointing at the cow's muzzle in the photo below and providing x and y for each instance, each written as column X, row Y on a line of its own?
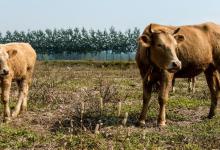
column 4, row 72
column 174, row 66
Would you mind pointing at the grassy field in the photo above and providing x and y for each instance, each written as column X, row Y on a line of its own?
column 95, row 105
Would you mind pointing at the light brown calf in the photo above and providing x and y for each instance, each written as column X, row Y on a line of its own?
column 17, row 62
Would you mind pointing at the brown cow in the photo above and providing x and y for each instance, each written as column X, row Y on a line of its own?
column 17, row 62
column 167, row 52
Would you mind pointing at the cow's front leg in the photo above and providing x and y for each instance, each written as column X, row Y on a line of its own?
column 147, row 89
column 166, row 82
column 6, row 86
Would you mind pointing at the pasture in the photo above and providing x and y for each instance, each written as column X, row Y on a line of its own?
column 95, row 105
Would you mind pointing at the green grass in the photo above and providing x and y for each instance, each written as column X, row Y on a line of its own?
column 187, row 103
column 60, row 87
column 14, row 138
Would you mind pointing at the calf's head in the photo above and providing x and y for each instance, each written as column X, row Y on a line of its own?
column 5, row 55
column 162, row 46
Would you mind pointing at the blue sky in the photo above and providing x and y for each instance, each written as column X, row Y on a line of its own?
column 101, row 14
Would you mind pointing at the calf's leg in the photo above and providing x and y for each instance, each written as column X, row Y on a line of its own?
column 24, row 102
column 6, row 86
column 23, row 91
column 29, row 80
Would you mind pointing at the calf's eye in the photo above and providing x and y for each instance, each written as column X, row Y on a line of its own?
column 160, row 45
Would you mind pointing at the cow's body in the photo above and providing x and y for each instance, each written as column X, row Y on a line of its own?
column 199, row 52
column 20, row 69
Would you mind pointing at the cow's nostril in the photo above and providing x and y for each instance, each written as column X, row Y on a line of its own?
column 175, row 64
column 5, row 72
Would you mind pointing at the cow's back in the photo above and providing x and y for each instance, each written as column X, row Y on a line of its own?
column 198, row 50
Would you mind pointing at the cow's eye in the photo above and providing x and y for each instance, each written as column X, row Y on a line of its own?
column 160, row 45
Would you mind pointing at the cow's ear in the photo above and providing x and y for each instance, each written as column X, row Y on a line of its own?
column 12, row 53
column 150, row 29
column 176, row 31
column 179, row 38
column 145, row 41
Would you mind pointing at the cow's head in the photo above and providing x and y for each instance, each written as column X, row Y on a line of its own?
column 162, row 46
column 5, row 55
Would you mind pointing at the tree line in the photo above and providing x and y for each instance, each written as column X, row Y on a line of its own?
column 76, row 40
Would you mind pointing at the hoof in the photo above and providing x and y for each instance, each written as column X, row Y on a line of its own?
column 23, row 109
column 14, row 114
column 141, row 123
column 211, row 115
column 7, row 120
column 162, row 124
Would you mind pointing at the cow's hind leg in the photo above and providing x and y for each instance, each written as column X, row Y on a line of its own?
column 212, row 78
column 173, row 89
column 189, row 84
column 23, row 91
column 193, row 84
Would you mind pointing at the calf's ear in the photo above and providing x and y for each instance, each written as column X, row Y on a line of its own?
column 176, row 30
column 179, row 38
column 12, row 53
column 145, row 41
